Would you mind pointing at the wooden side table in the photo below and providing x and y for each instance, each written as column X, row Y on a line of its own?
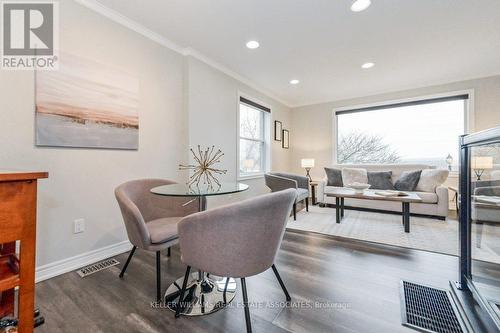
column 18, row 192
column 313, row 185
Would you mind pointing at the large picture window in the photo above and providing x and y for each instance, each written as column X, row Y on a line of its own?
column 424, row 131
column 253, row 134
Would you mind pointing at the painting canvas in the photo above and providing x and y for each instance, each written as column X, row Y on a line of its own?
column 86, row 104
column 286, row 139
column 277, row 130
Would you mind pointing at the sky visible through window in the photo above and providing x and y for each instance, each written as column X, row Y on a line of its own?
column 413, row 134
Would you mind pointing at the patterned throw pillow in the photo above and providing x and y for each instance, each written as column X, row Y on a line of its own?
column 354, row 175
column 430, row 179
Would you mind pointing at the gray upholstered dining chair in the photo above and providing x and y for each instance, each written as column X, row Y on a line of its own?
column 244, row 238
column 151, row 220
column 278, row 181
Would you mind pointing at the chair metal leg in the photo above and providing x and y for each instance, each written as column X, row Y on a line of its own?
column 307, row 204
column 295, row 211
column 225, row 290
column 287, row 295
column 131, row 254
column 168, row 252
column 245, row 303
column 158, row 276
column 181, row 296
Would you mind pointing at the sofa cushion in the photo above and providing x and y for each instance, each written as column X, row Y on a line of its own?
column 163, row 230
column 428, row 197
column 334, row 177
column 381, row 180
column 354, row 175
column 430, row 179
column 408, row 181
column 302, row 193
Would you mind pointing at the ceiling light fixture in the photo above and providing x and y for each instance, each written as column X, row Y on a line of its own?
column 253, row 44
column 294, row 81
column 367, row 65
column 360, row 5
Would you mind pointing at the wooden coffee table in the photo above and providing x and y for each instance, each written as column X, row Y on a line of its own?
column 341, row 193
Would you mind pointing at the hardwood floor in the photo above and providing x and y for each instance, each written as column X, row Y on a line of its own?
column 355, row 285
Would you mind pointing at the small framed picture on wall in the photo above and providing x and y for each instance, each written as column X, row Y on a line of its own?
column 277, row 130
column 285, row 143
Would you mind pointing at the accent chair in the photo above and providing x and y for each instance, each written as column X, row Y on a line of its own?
column 278, row 181
column 244, row 240
column 151, row 220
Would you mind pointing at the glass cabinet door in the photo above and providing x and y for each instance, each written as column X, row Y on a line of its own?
column 484, row 203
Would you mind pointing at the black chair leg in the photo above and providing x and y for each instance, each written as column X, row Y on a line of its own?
column 180, row 303
column 158, row 276
column 245, row 303
column 287, row 295
column 295, row 212
column 168, row 252
column 307, row 204
column 128, row 261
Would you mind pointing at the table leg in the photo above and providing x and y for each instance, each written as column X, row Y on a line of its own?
column 313, row 195
column 337, row 209
column 406, row 216
column 341, row 207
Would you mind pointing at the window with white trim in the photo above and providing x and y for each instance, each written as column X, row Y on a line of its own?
column 253, row 138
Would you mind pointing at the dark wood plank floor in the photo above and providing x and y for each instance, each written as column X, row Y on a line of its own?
column 355, row 286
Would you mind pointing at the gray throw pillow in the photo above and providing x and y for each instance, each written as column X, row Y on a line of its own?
column 408, row 181
column 334, row 177
column 380, row 180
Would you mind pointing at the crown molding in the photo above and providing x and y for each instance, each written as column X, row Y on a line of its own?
column 201, row 57
column 113, row 15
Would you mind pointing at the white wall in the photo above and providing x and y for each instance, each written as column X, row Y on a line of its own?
column 212, row 101
column 312, row 125
column 82, row 181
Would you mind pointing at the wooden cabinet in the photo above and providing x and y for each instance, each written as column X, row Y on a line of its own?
column 18, row 192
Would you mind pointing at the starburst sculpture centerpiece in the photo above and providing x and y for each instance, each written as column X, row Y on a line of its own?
column 204, row 171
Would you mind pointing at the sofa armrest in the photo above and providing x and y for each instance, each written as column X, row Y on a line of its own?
column 277, row 183
column 321, row 190
column 443, row 200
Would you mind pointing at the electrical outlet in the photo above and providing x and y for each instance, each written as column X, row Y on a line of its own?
column 79, row 226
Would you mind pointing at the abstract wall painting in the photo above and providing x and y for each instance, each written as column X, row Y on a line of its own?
column 86, row 104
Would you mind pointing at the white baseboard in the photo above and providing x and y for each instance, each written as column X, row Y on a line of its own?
column 70, row 264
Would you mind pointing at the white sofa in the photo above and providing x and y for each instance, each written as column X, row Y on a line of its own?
column 434, row 204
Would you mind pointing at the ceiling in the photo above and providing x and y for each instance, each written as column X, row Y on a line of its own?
column 414, row 43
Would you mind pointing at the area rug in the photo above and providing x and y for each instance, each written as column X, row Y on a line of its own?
column 425, row 233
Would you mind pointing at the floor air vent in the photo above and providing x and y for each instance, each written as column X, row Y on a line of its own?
column 428, row 309
column 98, row 266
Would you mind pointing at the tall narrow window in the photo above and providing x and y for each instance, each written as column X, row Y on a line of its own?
column 253, row 145
column 424, row 131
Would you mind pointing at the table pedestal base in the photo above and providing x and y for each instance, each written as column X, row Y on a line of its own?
column 202, row 296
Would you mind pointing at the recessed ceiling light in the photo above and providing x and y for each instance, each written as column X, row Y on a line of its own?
column 253, row 44
column 294, row 81
column 367, row 65
column 360, row 5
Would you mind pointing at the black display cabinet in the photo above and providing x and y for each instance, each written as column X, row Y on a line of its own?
column 479, row 226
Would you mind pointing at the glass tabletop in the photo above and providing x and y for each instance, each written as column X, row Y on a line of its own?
column 183, row 190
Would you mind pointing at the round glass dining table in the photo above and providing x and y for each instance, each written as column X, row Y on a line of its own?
column 205, row 293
